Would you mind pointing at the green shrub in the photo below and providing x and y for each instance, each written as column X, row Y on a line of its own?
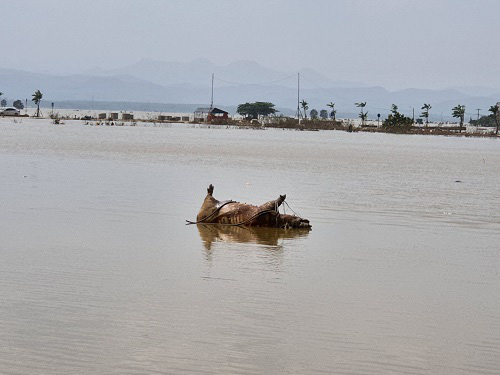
column 397, row 122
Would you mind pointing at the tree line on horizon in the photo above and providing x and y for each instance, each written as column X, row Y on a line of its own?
column 394, row 120
column 264, row 109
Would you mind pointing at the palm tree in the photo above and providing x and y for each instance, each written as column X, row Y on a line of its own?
column 496, row 114
column 305, row 106
column 362, row 115
column 425, row 113
column 333, row 112
column 459, row 112
column 37, row 98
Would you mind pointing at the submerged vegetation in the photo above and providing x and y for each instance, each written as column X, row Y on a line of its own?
column 397, row 122
column 333, row 112
column 459, row 113
column 495, row 113
column 255, row 110
column 425, row 113
column 362, row 115
column 37, row 98
column 305, row 107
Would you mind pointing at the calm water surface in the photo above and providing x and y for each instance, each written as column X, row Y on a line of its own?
column 100, row 275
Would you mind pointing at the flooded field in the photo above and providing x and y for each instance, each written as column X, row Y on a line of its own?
column 99, row 273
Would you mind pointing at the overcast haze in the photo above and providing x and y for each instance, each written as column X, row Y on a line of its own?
column 392, row 43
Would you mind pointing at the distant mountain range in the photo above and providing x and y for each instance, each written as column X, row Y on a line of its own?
column 173, row 83
column 199, row 72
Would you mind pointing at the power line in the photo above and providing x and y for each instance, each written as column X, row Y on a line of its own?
column 298, row 97
column 257, row 84
column 338, row 96
column 330, row 91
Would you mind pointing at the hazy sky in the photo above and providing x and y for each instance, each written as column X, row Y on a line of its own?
column 392, row 43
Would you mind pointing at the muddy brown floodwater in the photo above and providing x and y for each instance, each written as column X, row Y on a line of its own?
column 99, row 273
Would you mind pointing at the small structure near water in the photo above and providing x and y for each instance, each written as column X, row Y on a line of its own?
column 171, row 118
column 211, row 115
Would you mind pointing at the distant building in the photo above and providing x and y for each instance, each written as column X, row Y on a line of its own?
column 213, row 115
column 113, row 116
column 173, row 118
column 101, row 116
column 127, row 116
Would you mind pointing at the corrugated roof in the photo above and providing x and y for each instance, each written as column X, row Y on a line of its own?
column 202, row 110
column 218, row 110
column 209, row 110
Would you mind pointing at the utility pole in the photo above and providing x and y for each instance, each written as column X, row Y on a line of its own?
column 298, row 96
column 212, row 101
column 477, row 123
